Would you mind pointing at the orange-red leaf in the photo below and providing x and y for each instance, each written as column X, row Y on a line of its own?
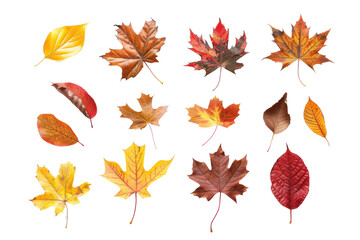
column 214, row 115
column 55, row 132
column 314, row 119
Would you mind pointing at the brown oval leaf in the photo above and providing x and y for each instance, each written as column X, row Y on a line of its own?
column 55, row 132
column 277, row 118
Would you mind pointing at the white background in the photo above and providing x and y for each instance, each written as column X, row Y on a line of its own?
column 331, row 209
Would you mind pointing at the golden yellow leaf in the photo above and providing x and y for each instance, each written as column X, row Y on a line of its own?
column 314, row 118
column 64, row 42
column 59, row 190
column 135, row 179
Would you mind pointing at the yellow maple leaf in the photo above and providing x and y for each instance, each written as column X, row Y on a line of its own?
column 59, row 190
column 135, row 179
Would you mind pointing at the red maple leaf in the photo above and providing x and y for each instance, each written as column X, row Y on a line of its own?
column 220, row 56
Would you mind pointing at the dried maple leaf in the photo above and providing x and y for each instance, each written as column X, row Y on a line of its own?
column 314, row 119
column 135, row 179
column 290, row 180
column 220, row 179
column 59, row 191
column 220, row 56
column 56, row 132
column 64, row 42
column 215, row 114
column 299, row 46
column 79, row 97
column 277, row 118
column 137, row 49
column 147, row 116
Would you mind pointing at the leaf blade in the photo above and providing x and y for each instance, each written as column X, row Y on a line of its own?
column 314, row 119
column 55, row 132
column 64, row 42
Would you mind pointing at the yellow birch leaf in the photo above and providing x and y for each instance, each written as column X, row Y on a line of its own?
column 64, row 42
column 314, row 118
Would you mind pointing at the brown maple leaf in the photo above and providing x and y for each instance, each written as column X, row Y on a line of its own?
column 220, row 56
column 299, row 46
column 147, row 116
column 220, row 179
column 137, row 49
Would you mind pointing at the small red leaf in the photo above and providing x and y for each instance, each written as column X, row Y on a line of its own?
column 79, row 97
column 290, row 180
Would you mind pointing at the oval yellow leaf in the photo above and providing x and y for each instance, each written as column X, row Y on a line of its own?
column 314, row 118
column 64, row 42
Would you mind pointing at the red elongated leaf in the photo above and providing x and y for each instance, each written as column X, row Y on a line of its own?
column 79, row 97
column 290, row 180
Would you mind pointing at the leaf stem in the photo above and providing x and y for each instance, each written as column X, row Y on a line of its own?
column 211, row 136
column 271, row 141
column 134, row 209
column 211, row 230
column 40, row 61
column 290, row 216
column 81, row 144
column 153, row 73
column 67, row 215
column 91, row 123
column 152, row 134
column 219, row 79
column 327, row 141
column 299, row 73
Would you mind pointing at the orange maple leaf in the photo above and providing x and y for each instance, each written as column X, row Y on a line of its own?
column 214, row 115
column 147, row 116
column 137, row 49
column 299, row 46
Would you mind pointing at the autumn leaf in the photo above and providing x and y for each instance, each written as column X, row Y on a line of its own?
column 147, row 116
column 214, row 115
column 220, row 179
column 135, row 179
column 290, row 180
column 59, row 191
column 314, row 119
column 55, row 132
column 220, row 56
column 299, row 46
column 64, row 42
column 137, row 49
column 277, row 118
column 79, row 97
